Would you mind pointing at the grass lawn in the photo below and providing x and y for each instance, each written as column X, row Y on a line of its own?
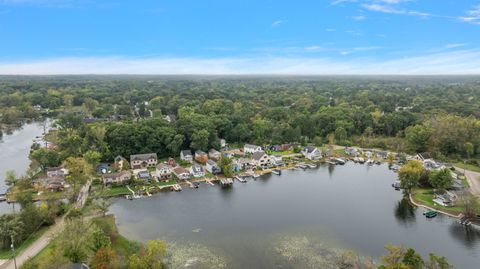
column 280, row 153
column 115, row 191
column 467, row 166
column 425, row 197
column 7, row 253
column 120, row 244
column 167, row 183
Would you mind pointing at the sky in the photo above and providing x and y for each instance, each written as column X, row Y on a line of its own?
column 240, row 37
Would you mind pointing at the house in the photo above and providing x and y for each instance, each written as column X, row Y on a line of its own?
column 170, row 118
column 245, row 163
column 120, row 162
column 277, row 160
column 351, row 151
column 122, row 177
column 57, row 172
column 430, row 164
column 181, row 173
column 223, row 143
column 275, row 148
column 212, row 167
column 54, row 183
column 197, row 171
column 235, row 165
column 144, row 175
column 140, row 161
column 214, row 154
column 261, row 159
column 311, row 153
column 423, row 156
column 286, row 147
column 163, row 172
column 250, row 149
column 201, row 156
column 186, row 155
column 382, row 154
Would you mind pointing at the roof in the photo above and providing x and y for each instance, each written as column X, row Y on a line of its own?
column 199, row 152
column 179, row 170
column 310, row 149
column 51, row 169
column 251, row 146
column 115, row 175
column 162, row 165
column 186, row 152
column 119, row 157
column 211, row 162
column 197, row 168
column 213, row 151
column 143, row 157
column 258, row 155
column 143, row 174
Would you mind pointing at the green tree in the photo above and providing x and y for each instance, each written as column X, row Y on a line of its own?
column 417, row 137
column 412, row 259
column 10, row 178
column 436, row 262
column 45, row 157
column 200, row 140
column 79, row 171
column 226, row 165
column 410, row 174
column 441, row 179
column 75, row 241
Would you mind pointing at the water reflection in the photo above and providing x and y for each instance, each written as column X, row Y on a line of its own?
column 469, row 236
column 331, row 169
column 405, row 212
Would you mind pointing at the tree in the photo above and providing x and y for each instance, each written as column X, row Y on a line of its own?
column 45, row 157
column 199, row 140
column 341, row 133
column 441, row 179
column 79, row 171
column 100, row 240
column 151, row 258
column 102, row 205
column 105, row 258
column 410, row 175
column 412, row 259
column 75, row 241
column 92, row 158
column 469, row 149
column 436, row 262
column 417, row 137
column 10, row 178
column 226, row 165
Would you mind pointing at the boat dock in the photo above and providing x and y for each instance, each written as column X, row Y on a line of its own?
column 191, row 185
column 226, row 181
column 176, row 187
column 240, row 179
column 209, row 182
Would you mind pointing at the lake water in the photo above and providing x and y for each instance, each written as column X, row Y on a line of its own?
column 14, row 151
column 261, row 223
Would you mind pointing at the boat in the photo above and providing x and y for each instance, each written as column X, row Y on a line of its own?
column 176, row 187
column 369, row 162
column 361, row 160
column 256, row 175
column 355, row 160
column 242, row 180
column 226, row 182
column 311, row 165
column 430, row 214
column 341, row 161
column 195, row 185
column 277, row 171
column 396, row 185
column 301, row 165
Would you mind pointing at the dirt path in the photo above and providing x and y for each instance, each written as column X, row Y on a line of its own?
column 473, row 179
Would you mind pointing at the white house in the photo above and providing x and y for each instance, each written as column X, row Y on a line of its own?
column 186, row 155
column 163, row 172
column 261, row 159
column 277, row 160
column 197, row 171
column 214, row 154
column 212, row 167
column 181, row 173
column 311, row 153
column 250, row 149
column 139, row 161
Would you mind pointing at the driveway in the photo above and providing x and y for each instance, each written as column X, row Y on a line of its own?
column 473, row 179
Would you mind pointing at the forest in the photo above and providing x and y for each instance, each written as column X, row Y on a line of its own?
column 123, row 115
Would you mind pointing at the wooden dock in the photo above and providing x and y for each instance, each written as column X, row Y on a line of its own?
column 242, row 180
column 209, row 181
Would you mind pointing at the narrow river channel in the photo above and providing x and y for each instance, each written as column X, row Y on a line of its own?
column 351, row 207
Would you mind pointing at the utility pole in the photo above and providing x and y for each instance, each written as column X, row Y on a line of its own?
column 13, row 251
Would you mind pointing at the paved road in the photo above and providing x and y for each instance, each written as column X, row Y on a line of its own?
column 42, row 242
column 473, row 179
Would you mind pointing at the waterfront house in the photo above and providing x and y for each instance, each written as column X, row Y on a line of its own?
column 423, row 156
column 277, row 160
column 186, row 155
column 54, row 184
column 250, row 149
column 235, row 165
column 223, row 143
column 57, row 172
column 261, row 159
column 181, row 173
column 275, row 148
column 143, row 175
column 120, row 162
column 351, row 151
column 171, row 162
column 201, row 156
column 214, row 154
column 197, row 171
column 122, row 177
column 140, row 161
column 163, row 172
column 212, row 167
column 245, row 163
column 311, row 153
column 286, row 147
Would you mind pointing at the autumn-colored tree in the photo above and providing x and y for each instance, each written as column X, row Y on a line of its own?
column 410, row 174
column 105, row 258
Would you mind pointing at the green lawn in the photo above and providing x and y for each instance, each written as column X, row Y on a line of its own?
column 115, row 191
column 7, row 253
column 467, row 166
column 279, row 153
column 167, row 183
column 425, row 197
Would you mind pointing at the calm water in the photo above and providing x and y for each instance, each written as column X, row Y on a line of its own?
column 14, row 150
column 343, row 207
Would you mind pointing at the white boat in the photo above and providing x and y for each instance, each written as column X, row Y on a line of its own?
column 311, row 165
column 256, row 175
column 361, row 160
column 370, row 162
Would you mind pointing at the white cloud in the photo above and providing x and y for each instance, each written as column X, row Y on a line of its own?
column 472, row 15
column 277, row 23
column 359, row 18
column 455, row 45
column 313, row 48
column 450, row 62
column 393, row 10
column 330, row 30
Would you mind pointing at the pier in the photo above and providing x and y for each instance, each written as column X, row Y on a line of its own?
column 209, row 182
column 242, row 180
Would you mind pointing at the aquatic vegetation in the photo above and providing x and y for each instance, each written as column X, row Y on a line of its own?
column 300, row 252
column 194, row 256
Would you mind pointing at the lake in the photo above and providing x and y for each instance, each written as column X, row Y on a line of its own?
column 14, row 151
column 288, row 221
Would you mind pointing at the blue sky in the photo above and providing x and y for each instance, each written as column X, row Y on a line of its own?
column 240, row 37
